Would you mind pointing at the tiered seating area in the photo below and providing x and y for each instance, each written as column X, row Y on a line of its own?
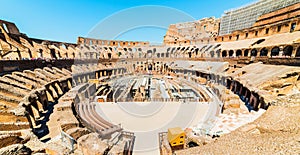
column 26, row 98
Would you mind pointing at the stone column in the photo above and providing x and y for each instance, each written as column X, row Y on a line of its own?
column 281, row 51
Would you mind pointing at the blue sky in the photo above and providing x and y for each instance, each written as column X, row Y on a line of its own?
column 65, row 20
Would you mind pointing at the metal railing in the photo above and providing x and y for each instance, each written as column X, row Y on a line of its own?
column 156, row 100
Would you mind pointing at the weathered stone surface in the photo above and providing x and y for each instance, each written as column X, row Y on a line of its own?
column 9, row 139
column 275, row 132
column 35, row 144
column 56, row 148
column 278, row 81
column 77, row 132
column 14, row 126
column 91, row 144
column 15, row 149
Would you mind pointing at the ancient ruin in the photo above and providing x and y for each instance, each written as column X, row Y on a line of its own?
column 218, row 83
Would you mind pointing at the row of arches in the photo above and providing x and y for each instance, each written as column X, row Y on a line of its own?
column 287, row 51
column 195, row 52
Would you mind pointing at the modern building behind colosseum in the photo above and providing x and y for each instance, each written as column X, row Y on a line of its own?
column 235, row 80
column 244, row 17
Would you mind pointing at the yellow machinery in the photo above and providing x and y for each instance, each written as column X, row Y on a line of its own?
column 176, row 136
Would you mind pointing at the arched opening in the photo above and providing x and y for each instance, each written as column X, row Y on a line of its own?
column 246, row 53
column 190, row 54
column 212, row 54
column 119, row 54
column 275, row 51
column 150, row 67
column 218, row 53
column 192, row 144
column 154, row 50
column 29, row 52
column 197, row 50
column 158, row 55
column 298, row 52
column 254, row 52
column 52, row 52
column 109, row 55
column 173, row 49
column 167, row 54
column 288, row 50
column 264, row 52
column 59, row 55
column 231, row 53
column 149, row 53
column 41, row 53
column 224, row 54
column 239, row 53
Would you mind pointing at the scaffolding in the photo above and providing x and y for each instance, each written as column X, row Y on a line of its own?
column 244, row 17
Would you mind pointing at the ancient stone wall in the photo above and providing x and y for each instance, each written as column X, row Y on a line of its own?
column 192, row 32
column 112, row 43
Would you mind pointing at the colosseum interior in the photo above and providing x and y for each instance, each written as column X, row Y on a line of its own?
column 235, row 92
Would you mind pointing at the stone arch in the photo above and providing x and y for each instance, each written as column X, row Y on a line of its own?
column 154, row 50
column 246, row 53
column 231, row 52
column 264, row 52
column 162, row 55
column 275, row 51
column 149, row 54
column 158, row 55
column 254, row 52
column 173, row 49
column 298, row 52
column 212, row 53
column 109, row 55
column 197, row 50
column 168, row 49
column 52, row 53
column 190, row 54
column 218, row 52
column 224, row 53
column 239, row 53
column 167, row 54
column 288, row 50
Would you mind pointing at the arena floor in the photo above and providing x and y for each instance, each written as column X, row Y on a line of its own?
column 146, row 120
